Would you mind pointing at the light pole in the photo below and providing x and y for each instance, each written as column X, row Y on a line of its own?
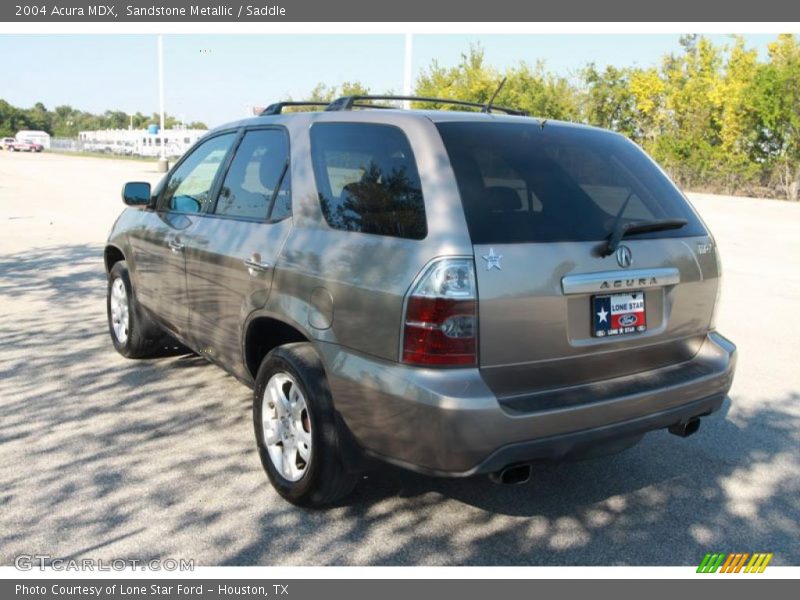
column 407, row 70
column 163, row 166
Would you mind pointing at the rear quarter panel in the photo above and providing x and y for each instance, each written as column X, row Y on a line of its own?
column 366, row 276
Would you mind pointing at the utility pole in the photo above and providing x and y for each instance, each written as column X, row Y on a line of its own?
column 162, row 162
column 407, row 69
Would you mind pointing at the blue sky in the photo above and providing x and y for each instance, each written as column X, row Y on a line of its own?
column 214, row 78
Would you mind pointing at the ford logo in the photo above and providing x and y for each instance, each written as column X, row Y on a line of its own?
column 627, row 320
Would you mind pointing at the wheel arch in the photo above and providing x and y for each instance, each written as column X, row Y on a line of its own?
column 111, row 256
column 262, row 334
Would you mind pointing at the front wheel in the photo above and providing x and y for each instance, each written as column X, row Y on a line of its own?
column 133, row 333
column 295, row 425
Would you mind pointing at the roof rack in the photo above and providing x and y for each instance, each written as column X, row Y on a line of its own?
column 277, row 108
column 351, row 102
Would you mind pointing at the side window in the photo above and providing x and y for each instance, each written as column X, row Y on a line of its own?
column 255, row 175
column 367, row 179
column 189, row 186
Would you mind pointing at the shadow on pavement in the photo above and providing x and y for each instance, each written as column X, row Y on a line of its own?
column 100, row 456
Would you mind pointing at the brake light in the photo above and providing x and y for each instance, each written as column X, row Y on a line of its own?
column 440, row 327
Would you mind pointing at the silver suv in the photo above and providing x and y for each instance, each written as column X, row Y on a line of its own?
column 452, row 292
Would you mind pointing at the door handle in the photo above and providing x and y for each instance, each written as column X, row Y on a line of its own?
column 254, row 266
column 175, row 245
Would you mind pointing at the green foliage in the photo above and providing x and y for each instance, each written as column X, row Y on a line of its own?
column 714, row 116
column 324, row 93
column 65, row 121
column 528, row 87
column 610, row 102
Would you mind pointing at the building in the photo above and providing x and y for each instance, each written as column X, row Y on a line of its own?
column 140, row 142
column 37, row 137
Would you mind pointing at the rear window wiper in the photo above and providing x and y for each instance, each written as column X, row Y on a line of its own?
column 633, row 227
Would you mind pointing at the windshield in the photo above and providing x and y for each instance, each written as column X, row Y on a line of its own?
column 527, row 183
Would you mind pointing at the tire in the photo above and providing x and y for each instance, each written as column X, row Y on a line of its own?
column 321, row 477
column 141, row 338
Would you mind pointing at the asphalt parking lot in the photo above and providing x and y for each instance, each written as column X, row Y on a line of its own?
column 103, row 457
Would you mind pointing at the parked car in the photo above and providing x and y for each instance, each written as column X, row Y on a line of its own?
column 25, row 146
column 8, row 143
column 456, row 293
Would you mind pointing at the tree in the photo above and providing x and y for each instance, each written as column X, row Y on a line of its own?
column 776, row 103
column 609, row 100
column 471, row 79
column 326, row 94
column 66, row 121
column 529, row 87
column 734, row 116
column 713, row 115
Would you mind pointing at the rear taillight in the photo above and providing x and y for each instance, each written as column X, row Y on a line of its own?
column 440, row 325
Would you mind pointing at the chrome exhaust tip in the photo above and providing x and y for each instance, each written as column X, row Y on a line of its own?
column 685, row 429
column 513, row 475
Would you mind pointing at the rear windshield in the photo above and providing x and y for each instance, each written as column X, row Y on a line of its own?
column 527, row 183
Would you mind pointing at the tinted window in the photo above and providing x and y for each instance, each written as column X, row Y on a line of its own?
column 367, row 179
column 190, row 184
column 282, row 208
column 525, row 183
column 254, row 175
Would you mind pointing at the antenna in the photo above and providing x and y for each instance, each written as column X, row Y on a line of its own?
column 488, row 107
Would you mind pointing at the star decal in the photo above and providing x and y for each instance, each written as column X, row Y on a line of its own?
column 603, row 314
column 492, row 260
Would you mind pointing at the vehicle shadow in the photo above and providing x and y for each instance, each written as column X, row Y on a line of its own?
column 106, row 457
column 667, row 501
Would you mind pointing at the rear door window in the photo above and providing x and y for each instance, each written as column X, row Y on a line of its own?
column 367, row 179
column 255, row 175
column 527, row 183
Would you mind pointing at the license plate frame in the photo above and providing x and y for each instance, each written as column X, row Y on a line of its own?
column 618, row 314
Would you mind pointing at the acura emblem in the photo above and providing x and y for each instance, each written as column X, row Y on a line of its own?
column 624, row 257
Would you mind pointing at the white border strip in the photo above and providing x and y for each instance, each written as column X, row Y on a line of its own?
column 300, row 28
column 284, row 573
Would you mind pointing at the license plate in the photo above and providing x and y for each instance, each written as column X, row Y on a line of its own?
column 618, row 314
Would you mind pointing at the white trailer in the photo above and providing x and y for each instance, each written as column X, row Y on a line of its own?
column 37, row 137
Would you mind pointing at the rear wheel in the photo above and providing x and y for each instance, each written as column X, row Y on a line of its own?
column 133, row 333
column 295, row 425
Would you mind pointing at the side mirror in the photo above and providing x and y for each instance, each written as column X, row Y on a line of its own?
column 136, row 193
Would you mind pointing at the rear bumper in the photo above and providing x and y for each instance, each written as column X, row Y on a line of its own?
column 449, row 423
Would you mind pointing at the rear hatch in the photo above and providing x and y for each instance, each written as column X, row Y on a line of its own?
column 555, row 309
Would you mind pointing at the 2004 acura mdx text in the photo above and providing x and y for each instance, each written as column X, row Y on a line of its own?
column 452, row 292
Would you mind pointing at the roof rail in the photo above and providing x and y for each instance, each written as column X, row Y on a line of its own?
column 277, row 108
column 350, row 102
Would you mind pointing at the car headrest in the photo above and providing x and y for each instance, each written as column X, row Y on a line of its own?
column 502, row 199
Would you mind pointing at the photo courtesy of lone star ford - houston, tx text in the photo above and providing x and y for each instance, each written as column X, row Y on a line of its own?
column 353, row 299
